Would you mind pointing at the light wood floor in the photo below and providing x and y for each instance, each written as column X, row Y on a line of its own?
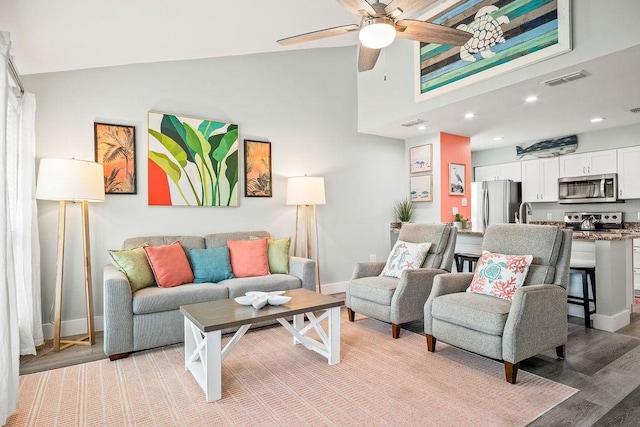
column 604, row 366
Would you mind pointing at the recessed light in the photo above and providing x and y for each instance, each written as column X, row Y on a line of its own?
column 531, row 98
column 597, row 119
column 497, row 138
column 422, row 127
column 469, row 116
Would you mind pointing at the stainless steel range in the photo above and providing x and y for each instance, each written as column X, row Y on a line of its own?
column 593, row 220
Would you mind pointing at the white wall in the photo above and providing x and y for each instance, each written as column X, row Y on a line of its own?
column 303, row 101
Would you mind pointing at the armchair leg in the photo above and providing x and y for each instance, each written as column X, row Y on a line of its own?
column 560, row 351
column 511, row 372
column 351, row 315
column 395, row 331
column 431, row 343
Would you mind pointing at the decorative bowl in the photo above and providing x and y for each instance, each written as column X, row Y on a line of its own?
column 279, row 300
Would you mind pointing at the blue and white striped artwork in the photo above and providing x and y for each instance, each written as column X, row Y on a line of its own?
column 503, row 35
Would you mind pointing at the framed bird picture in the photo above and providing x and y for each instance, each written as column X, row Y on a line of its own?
column 457, row 179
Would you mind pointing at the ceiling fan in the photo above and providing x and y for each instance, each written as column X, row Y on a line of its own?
column 380, row 23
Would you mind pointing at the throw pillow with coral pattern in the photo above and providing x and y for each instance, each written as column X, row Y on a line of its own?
column 500, row 275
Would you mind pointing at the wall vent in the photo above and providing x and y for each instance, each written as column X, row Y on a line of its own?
column 413, row 123
column 566, row 78
column 635, row 110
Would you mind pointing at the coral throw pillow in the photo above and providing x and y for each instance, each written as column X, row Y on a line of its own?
column 500, row 275
column 249, row 257
column 169, row 264
column 405, row 256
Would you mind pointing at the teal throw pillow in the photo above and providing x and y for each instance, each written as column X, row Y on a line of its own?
column 210, row 265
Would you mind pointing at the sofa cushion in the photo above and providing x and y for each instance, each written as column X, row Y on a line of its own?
column 155, row 299
column 169, row 264
column 474, row 311
column 210, row 265
column 249, row 257
column 135, row 265
column 278, row 254
column 273, row 282
column 437, row 234
column 217, row 240
column 377, row 289
column 187, row 242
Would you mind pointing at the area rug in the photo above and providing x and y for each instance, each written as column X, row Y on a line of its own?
column 268, row 381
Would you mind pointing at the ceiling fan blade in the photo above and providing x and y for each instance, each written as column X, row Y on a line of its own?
column 408, row 7
column 427, row 32
column 320, row 34
column 357, row 6
column 367, row 58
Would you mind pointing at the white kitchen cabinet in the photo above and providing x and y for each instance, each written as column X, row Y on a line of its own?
column 510, row 171
column 593, row 163
column 540, row 180
column 629, row 173
column 636, row 266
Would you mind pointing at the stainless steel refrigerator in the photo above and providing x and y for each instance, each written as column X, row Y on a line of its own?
column 493, row 202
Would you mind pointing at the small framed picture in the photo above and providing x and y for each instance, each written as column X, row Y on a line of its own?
column 457, row 179
column 116, row 151
column 421, row 188
column 257, row 169
column 420, row 158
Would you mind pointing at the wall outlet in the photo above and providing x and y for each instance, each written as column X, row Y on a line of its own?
column 372, row 257
column 638, row 215
column 454, row 210
column 549, row 216
column 464, row 201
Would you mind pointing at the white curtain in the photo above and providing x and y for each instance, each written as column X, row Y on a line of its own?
column 20, row 314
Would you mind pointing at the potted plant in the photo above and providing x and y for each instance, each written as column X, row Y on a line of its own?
column 459, row 221
column 403, row 210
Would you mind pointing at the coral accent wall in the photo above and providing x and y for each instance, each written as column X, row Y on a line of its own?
column 454, row 149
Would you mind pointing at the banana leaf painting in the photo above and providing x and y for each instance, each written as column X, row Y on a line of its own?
column 192, row 162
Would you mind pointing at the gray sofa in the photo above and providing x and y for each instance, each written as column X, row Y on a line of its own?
column 150, row 317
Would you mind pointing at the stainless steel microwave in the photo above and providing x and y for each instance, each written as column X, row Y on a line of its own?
column 588, row 189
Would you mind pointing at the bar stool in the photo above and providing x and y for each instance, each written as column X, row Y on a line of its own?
column 461, row 258
column 588, row 273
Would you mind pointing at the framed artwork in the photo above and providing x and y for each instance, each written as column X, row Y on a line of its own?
column 192, row 161
column 115, row 147
column 421, row 188
column 503, row 36
column 420, row 158
column 457, row 179
column 257, row 169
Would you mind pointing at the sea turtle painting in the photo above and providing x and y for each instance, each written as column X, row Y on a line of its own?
column 486, row 33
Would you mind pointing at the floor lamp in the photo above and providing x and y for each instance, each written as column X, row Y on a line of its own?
column 306, row 192
column 71, row 180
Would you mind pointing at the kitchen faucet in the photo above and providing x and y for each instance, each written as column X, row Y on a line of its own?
column 523, row 214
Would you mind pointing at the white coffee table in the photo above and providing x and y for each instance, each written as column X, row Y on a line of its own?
column 204, row 322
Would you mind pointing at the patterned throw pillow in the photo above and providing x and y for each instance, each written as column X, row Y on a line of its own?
column 405, row 256
column 499, row 275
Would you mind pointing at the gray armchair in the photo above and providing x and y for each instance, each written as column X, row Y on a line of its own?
column 511, row 331
column 399, row 301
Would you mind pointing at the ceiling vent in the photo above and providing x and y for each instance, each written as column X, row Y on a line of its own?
column 565, row 78
column 415, row 122
column 635, row 110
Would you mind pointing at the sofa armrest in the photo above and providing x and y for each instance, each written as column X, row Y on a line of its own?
column 411, row 294
column 537, row 322
column 118, row 312
column 367, row 269
column 444, row 284
column 305, row 270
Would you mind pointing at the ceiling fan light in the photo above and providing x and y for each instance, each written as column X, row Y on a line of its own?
column 377, row 33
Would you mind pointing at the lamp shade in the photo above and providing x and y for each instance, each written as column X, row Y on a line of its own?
column 70, row 179
column 305, row 190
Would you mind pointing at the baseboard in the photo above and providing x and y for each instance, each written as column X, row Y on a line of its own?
column 72, row 327
column 334, row 288
column 612, row 323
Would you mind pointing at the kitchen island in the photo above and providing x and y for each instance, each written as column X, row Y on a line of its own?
column 612, row 254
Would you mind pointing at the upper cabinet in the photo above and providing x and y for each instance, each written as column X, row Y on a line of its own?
column 629, row 173
column 594, row 163
column 540, row 180
column 512, row 171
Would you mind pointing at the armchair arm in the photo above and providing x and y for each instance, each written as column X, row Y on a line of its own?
column 367, row 269
column 444, row 284
column 118, row 312
column 537, row 322
column 414, row 287
column 305, row 270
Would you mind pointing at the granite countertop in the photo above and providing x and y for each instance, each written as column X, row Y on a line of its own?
column 631, row 231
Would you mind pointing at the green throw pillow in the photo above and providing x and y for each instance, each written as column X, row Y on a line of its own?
column 278, row 254
column 210, row 265
column 135, row 265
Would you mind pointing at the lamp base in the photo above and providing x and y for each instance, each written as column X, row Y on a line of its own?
column 84, row 340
